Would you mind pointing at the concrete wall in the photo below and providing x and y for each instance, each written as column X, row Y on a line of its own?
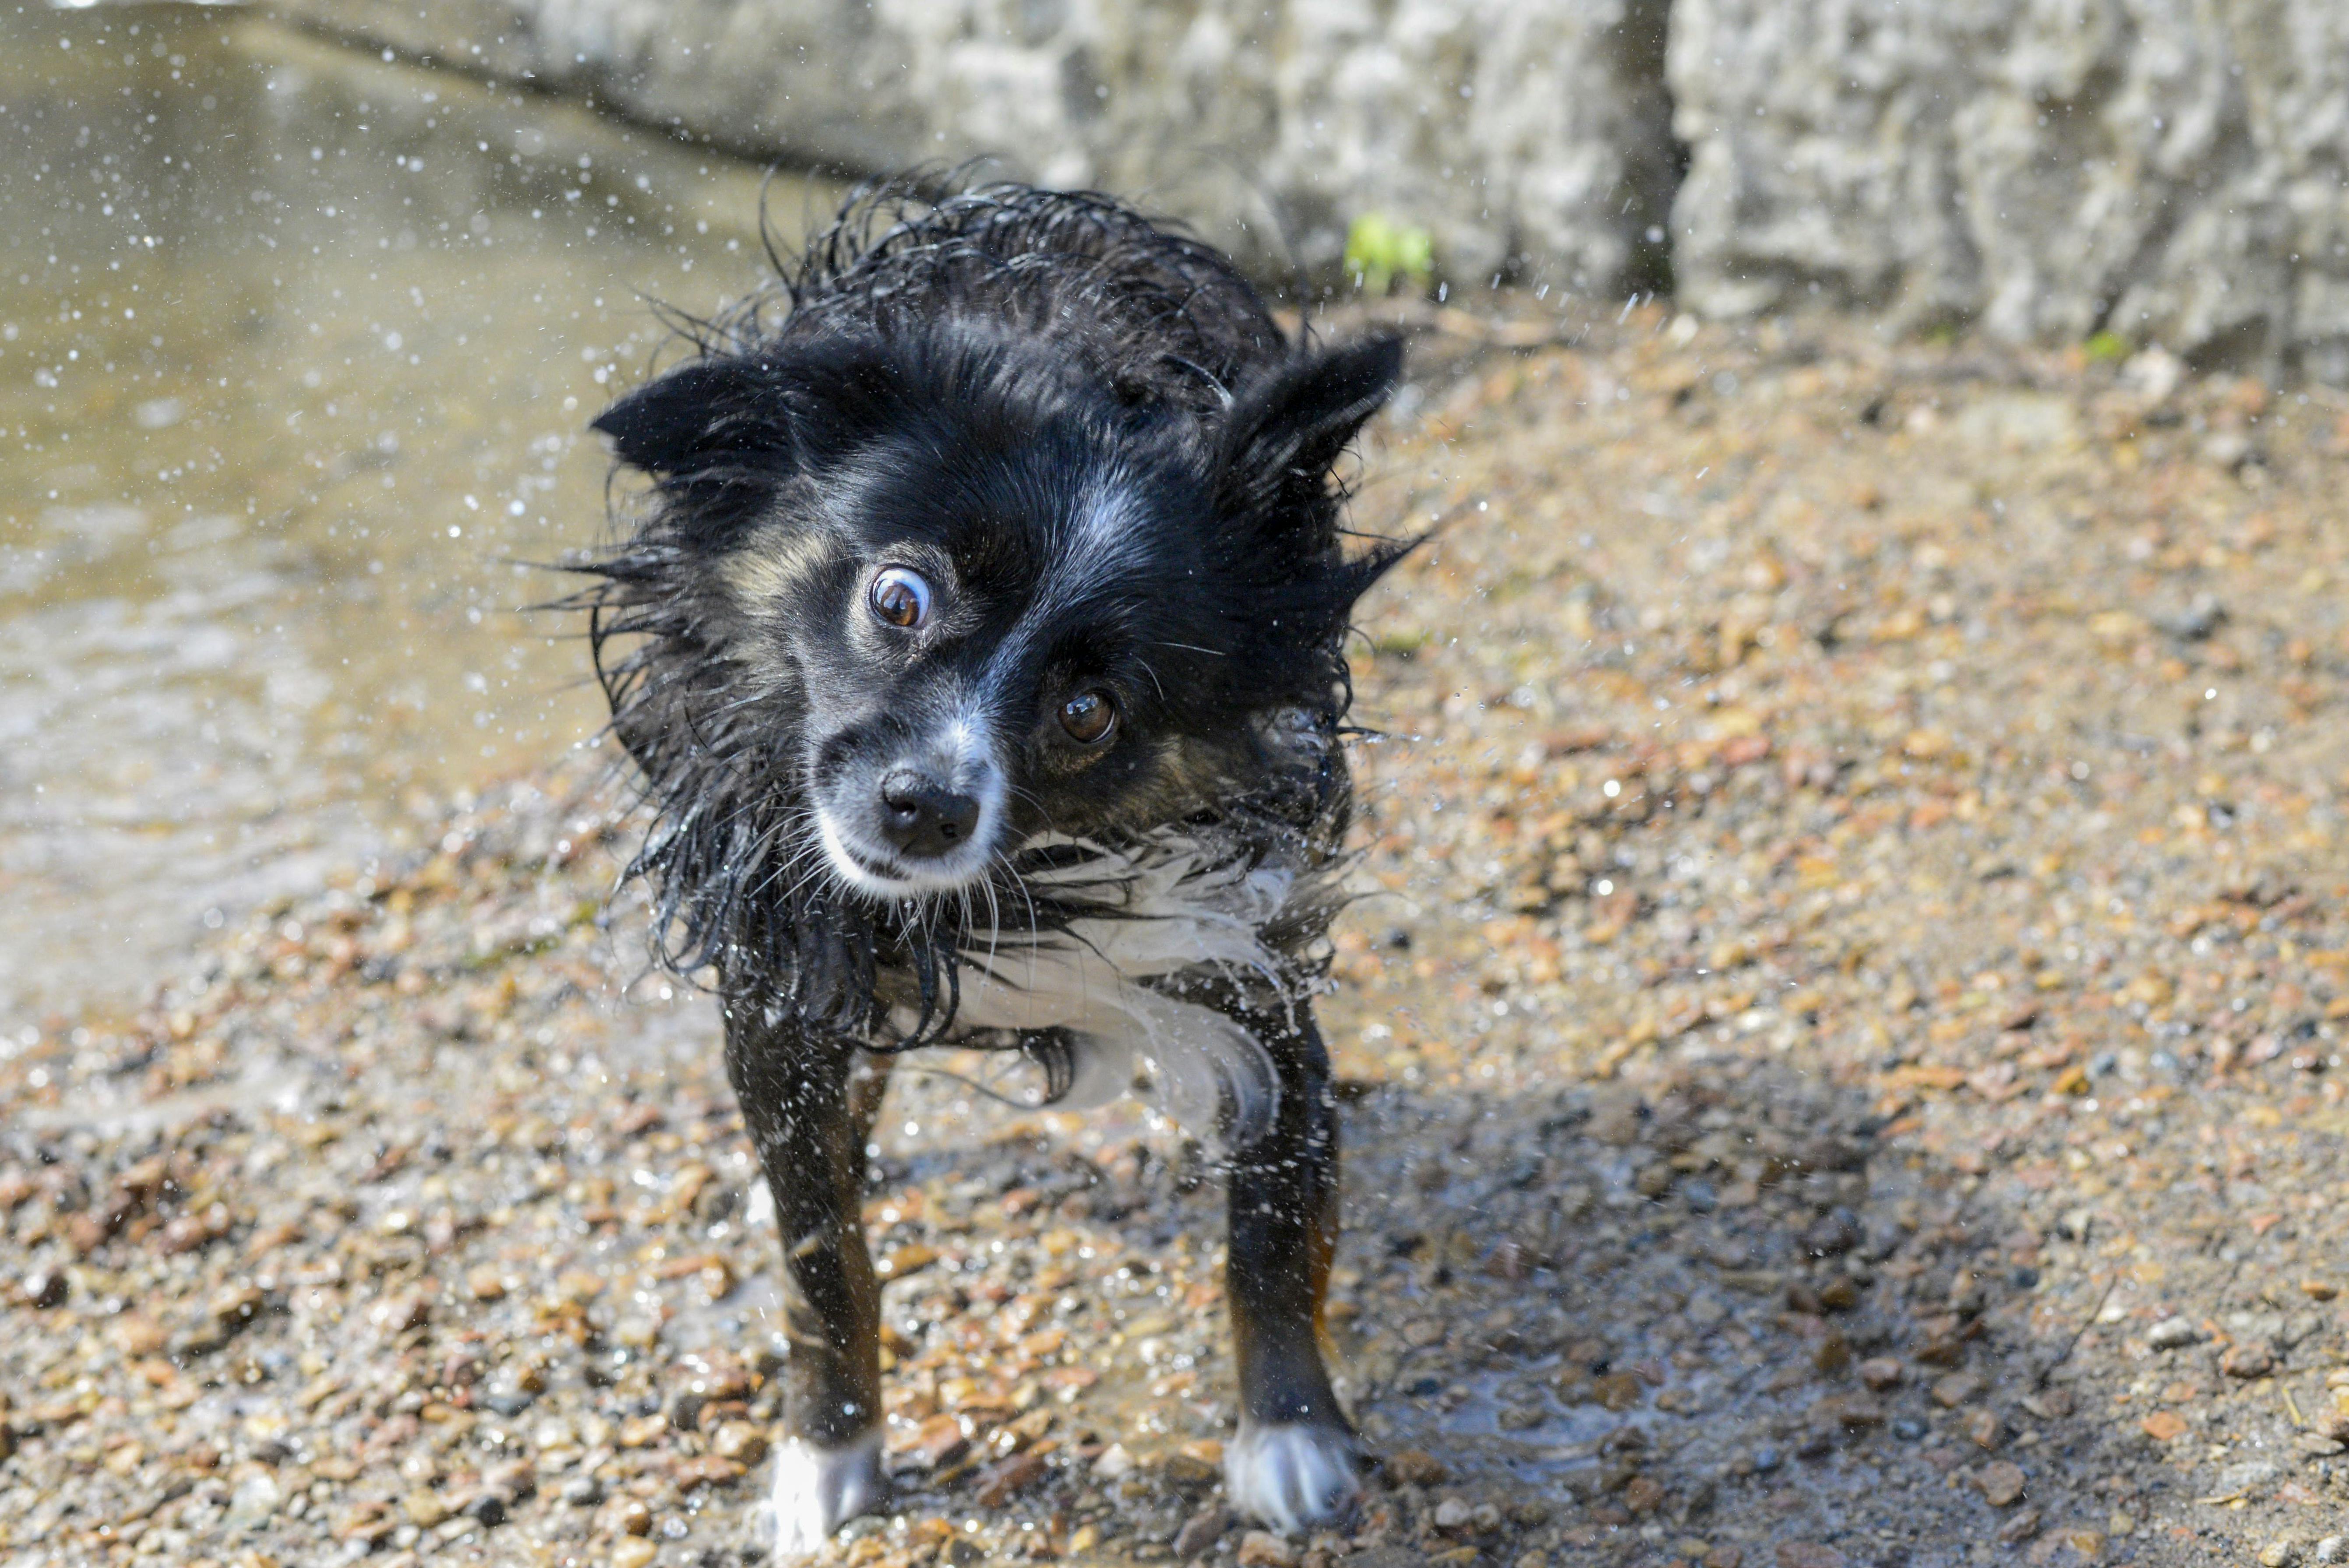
column 2171, row 170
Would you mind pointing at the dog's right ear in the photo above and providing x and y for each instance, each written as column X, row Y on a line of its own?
column 1282, row 435
column 697, row 416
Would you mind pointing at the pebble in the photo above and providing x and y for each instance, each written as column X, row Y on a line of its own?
column 1414, row 1467
column 2248, row 1359
column 2282, row 1553
column 1202, row 1531
column 2172, row 1333
column 1262, row 1549
column 1985, row 1429
column 633, row 1553
column 2001, row 1483
column 1009, row 1478
column 1956, row 1389
column 2022, row 1526
column 740, row 1441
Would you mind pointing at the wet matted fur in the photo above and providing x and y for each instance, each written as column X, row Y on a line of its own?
column 978, row 641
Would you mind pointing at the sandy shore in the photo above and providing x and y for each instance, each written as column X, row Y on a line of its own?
column 1841, row 1049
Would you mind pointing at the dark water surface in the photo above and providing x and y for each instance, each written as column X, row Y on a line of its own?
column 296, row 353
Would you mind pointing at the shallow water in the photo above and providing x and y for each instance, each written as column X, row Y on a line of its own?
column 297, row 349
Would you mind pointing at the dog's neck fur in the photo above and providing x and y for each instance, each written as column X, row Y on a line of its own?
column 1157, row 940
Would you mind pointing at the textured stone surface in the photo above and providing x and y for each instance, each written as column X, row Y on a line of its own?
column 2169, row 170
column 1512, row 129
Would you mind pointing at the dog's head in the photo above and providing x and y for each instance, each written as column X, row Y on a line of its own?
column 996, row 591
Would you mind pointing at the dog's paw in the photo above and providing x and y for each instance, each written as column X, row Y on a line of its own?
column 1293, row 1475
column 816, row 1490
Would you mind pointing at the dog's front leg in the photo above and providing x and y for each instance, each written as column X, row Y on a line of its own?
column 809, row 1122
column 1293, row 1462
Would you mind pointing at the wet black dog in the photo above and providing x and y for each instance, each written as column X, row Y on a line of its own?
column 979, row 644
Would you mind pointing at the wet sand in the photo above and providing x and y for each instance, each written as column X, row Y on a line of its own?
column 1840, row 1051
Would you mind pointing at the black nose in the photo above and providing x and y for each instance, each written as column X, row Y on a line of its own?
column 923, row 816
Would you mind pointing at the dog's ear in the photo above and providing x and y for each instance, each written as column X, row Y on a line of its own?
column 1282, row 435
column 697, row 416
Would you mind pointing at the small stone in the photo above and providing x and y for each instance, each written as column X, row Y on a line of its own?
column 1113, row 1462
column 1190, row 1471
column 1957, row 1389
column 2248, row 1359
column 1856, row 1410
column 2164, row 1426
column 2329, row 1550
column 2021, row 1527
column 1451, row 1515
column 583, row 1492
column 2280, row 1553
column 1835, row 1233
column 1984, row 1429
column 1010, row 1478
column 486, row 1284
column 44, row 1288
column 1881, row 1372
column 256, row 1497
column 424, row 1508
column 1809, row 1554
column 633, row 1553
column 2244, row 1475
column 899, row 1261
column 2001, row 1483
column 2172, row 1333
column 487, row 1508
column 1410, row 1467
column 741, row 1442
column 1262, row 1549
column 2317, row 1445
column 1201, row 1531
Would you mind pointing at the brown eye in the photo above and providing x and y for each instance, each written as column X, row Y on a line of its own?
column 900, row 598
column 1089, row 717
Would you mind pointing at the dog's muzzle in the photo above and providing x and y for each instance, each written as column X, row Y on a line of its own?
column 924, row 818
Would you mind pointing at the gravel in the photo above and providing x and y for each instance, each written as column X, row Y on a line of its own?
column 1851, row 960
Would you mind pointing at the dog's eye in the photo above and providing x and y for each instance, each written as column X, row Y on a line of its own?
column 900, row 597
column 1089, row 717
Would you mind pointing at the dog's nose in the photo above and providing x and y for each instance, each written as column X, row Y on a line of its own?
column 923, row 816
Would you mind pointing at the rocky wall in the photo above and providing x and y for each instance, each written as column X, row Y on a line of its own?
column 1529, row 136
column 2168, row 171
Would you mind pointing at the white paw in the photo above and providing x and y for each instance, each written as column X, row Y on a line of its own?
column 1291, row 1476
column 817, row 1488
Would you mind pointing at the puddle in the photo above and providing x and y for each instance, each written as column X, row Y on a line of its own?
column 297, row 352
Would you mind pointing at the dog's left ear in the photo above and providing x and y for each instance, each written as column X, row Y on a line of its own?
column 1282, row 435
column 696, row 415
